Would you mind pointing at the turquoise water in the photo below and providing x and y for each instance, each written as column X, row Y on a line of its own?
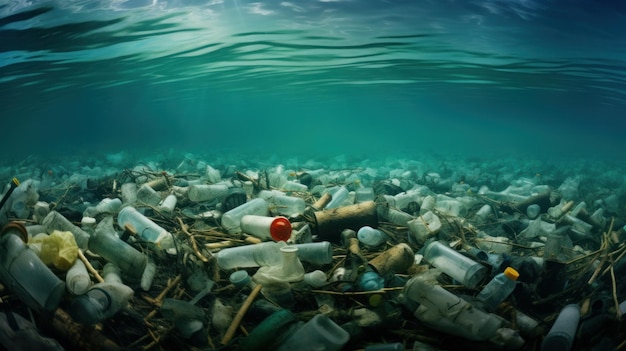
column 478, row 78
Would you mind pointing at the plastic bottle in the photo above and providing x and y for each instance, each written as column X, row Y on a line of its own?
column 319, row 253
column 129, row 193
column 148, row 196
column 319, row 333
column 255, row 255
column 239, row 279
column 207, row 192
column 231, row 220
column 55, row 221
column 315, row 279
column 106, row 205
column 168, row 205
column 275, row 228
column 102, row 301
column 107, row 244
column 145, row 227
column 498, row 289
column 338, row 197
column 454, row 264
column 77, row 278
column 440, row 309
column 23, row 272
column 563, row 331
column 371, row 237
column 288, row 205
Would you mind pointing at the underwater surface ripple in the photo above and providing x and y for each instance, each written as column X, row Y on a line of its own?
column 297, row 55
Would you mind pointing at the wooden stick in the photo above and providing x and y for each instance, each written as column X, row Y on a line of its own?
column 157, row 301
column 230, row 332
column 89, row 267
column 185, row 230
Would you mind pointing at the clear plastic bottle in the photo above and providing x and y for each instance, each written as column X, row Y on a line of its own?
column 207, row 192
column 145, row 227
column 23, row 272
column 498, row 289
column 338, row 197
column 454, row 264
column 107, row 244
column 231, row 220
column 440, row 309
column 77, row 278
column 55, row 221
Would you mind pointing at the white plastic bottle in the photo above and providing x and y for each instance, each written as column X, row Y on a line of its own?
column 498, row 289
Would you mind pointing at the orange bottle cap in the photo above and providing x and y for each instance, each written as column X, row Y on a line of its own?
column 511, row 273
column 280, row 229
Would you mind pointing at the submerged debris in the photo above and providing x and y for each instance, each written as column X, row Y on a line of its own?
column 249, row 257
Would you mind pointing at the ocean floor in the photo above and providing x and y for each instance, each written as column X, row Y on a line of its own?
column 558, row 223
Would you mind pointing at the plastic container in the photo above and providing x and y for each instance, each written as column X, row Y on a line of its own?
column 255, row 255
column 55, row 221
column 148, row 196
column 77, row 278
column 129, row 193
column 168, row 205
column 276, row 228
column 319, row 253
column 370, row 281
column 289, row 269
column 399, row 217
column 315, row 279
column 207, row 192
column 270, row 331
column 338, row 198
column 145, row 227
column 287, row 205
column 465, row 270
column 102, row 301
column 231, row 220
column 532, row 211
column 106, row 205
column 498, row 289
column 364, row 194
column 561, row 335
column 23, row 272
column 424, row 226
column 294, row 186
column 239, row 279
column 444, row 311
column 371, row 237
column 107, row 244
column 319, row 333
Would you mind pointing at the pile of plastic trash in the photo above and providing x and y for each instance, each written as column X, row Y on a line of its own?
column 332, row 255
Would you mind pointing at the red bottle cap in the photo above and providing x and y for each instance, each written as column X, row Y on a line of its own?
column 280, row 229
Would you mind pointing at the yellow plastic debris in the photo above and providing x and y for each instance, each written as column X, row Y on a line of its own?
column 58, row 249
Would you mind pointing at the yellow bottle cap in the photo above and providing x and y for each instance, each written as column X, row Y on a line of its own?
column 511, row 273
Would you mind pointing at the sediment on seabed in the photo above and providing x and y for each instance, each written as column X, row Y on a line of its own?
column 377, row 254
